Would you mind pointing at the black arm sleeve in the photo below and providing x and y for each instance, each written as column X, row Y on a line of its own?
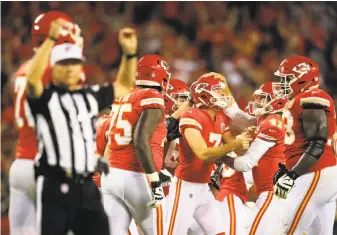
column 145, row 127
column 104, row 95
column 315, row 127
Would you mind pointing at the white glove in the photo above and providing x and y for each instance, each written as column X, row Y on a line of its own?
column 157, row 190
column 283, row 186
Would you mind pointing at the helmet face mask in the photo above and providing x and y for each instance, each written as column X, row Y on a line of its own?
column 220, row 99
column 175, row 95
column 179, row 99
column 283, row 88
column 266, row 101
column 261, row 104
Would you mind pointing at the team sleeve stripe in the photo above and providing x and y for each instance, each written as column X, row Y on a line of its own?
column 189, row 121
column 315, row 100
column 267, row 137
column 149, row 101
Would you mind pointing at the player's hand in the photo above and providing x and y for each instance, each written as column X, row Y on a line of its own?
column 216, row 75
column 250, row 130
column 170, row 163
column 172, row 126
column 165, row 177
column 56, row 27
column 102, row 166
column 128, row 40
column 243, row 140
column 157, row 196
column 285, row 183
column 280, row 172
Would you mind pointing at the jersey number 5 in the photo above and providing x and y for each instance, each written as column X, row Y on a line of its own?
column 117, row 122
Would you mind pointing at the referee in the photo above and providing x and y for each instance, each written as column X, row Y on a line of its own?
column 67, row 198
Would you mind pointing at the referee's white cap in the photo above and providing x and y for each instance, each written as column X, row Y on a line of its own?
column 64, row 52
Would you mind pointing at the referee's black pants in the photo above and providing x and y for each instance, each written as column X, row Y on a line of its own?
column 64, row 205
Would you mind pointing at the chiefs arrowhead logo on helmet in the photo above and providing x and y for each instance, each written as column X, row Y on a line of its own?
column 302, row 69
column 211, row 92
column 297, row 74
column 152, row 70
column 200, row 87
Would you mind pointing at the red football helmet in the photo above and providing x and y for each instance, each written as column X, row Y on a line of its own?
column 298, row 73
column 211, row 92
column 152, row 70
column 176, row 89
column 265, row 101
column 40, row 30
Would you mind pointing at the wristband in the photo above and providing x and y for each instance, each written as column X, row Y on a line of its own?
column 153, row 176
column 293, row 175
column 130, row 56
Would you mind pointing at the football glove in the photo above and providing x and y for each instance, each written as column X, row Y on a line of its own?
column 165, row 177
column 102, row 166
column 216, row 176
column 157, row 196
column 285, row 183
column 172, row 126
column 281, row 171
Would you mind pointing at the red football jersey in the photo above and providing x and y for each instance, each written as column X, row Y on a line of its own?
column 102, row 126
column 173, row 150
column 125, row 114
column 295, row 140
column 270, row 128
column 190, row 167
column 27, row 142
column 232, row 182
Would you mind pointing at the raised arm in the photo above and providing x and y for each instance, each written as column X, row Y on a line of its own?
column 40, row 61
column 125, row 80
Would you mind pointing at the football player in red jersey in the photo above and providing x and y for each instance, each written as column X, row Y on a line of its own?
column 263, row 157
column 21, row 175
column 102, row 137
column 203, row 130
column 310, row 122
column 136, row 139
column 175, row 96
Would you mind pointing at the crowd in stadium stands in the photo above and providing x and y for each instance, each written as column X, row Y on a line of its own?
column 244, row 41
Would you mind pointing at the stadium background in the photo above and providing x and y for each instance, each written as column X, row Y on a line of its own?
column 244, row 41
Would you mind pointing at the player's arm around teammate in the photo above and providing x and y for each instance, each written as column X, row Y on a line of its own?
column 232, row 111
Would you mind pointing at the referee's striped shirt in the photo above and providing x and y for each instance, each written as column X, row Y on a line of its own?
column 65, row 126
